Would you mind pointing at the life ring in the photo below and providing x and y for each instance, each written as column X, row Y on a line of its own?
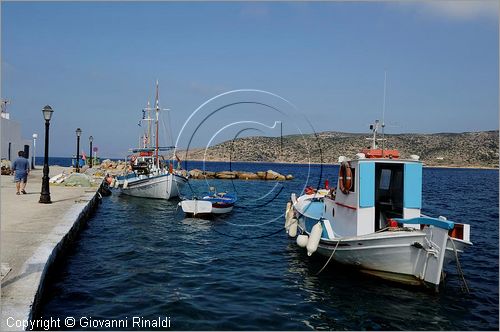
column 345, row 178
column 133, row 158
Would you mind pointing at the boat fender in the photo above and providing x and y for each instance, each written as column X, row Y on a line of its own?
column 288, row 209
column 292, row 228
column 288, row 215
column 312, row 244
column 287, row 223
column 302, row 240
column 125, row 184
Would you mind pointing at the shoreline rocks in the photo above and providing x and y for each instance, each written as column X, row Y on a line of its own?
column 240, row 175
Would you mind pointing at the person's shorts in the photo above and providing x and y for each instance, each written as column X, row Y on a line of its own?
column 21, row 177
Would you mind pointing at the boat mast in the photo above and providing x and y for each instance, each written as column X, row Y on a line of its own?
column 375, row 129
column 157, row 108
column 383, row 113
column 148, row 141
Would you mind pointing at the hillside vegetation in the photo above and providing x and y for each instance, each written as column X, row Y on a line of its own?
column 470, row 149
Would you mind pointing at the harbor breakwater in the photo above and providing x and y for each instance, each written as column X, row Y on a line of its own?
column 241, row 175
column 91, row 176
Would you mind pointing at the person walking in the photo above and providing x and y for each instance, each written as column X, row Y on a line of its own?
column 21, row 168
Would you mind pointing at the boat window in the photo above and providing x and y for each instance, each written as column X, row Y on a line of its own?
column 385, row 179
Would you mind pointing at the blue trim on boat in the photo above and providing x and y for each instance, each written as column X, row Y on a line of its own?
column 228, row 199
column 445, row 224
column 366, row 184
column 313, row 210
column 412, row 186
column 309, row 223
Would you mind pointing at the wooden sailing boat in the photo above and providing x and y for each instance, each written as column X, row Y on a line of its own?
column 149, row 174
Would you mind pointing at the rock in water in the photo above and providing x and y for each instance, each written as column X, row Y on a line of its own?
column 208, row 175
column 272, row 175
column 195, row 174
column 261, row 175
column 247, row 176
column 225, row 175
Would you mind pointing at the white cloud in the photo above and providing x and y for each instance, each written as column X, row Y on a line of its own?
column 457, row 9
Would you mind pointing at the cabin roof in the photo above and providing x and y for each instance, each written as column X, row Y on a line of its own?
column 387, row 160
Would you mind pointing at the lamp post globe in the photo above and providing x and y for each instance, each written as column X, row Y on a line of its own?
column 47, row 112
column 45, row 193
column 78, row 134
column 91, row 139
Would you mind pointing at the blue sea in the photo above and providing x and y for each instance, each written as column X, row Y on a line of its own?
column 143, row 258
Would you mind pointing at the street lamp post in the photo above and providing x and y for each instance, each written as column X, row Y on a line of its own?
column 45, row 194
column 35, row 136
column 78, row 134
column 90, row 140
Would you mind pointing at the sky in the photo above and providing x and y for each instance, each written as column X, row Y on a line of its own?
column 96, row 64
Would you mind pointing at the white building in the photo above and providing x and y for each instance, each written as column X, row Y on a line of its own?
column 11, row 140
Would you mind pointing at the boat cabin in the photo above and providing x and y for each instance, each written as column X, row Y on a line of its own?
column 372, row 191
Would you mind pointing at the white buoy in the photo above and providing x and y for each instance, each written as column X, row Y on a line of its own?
column 292, row 230
column 288, row 215
column 312, row 244
column 302, row 240
column 125, row 184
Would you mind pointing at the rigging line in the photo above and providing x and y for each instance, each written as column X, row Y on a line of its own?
column 328, row 261
column 169, row 129
column 265, row 203
column 192, row 191
column 459, row 267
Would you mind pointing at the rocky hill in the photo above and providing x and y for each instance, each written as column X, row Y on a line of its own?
column 470, row 149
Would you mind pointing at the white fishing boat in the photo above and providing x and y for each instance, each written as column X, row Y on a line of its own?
column 373, row 220
column 150, row 174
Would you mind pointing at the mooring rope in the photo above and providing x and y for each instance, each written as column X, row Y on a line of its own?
column 328, row 261
column 459, row 268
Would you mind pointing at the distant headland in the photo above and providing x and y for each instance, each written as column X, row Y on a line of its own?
column 468, row 149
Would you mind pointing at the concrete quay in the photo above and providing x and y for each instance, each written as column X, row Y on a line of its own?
column 33, row 236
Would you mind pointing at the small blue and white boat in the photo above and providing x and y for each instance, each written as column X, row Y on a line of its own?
column 210, row 203
column 373, row 220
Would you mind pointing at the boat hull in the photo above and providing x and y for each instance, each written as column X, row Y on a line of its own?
column 164, row 186
column 221, row 210
column 399, row 254
column 394, row 254
column 204, row 207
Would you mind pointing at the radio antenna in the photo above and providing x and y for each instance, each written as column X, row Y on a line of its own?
column 383, row 113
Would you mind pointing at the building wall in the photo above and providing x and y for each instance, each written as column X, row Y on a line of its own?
column 10, row 131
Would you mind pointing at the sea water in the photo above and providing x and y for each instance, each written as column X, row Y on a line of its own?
column 142, row 259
